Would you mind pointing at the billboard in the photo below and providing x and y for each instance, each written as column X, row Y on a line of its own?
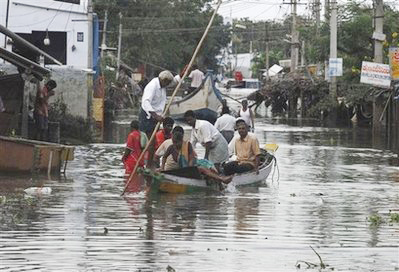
column 377, row 74
column 394, row 62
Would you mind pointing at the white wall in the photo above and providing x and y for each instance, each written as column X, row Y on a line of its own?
column 26, row 16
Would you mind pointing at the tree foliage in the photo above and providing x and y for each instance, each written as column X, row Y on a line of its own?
column 163, row 33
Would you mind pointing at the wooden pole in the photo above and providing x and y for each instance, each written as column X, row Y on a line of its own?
column 174, row 94
column 118, row 61
column 104, row 38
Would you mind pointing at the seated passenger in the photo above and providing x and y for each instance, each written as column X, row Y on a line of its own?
column 247, row 151
column 164, row 133
column 160, row 152
column 181, row 154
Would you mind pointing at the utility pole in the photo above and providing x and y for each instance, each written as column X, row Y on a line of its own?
column 303, row 54
column 333, row 47
column 90, row 34
column 118, row 63
column 327, row 9
column 378, row 103
column 378, row 28
column 294, row 37
column 317, row 15
column 104, row 39
column 267, row 52
column 267, row 61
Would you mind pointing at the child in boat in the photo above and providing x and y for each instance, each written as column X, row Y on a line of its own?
column 181, row 154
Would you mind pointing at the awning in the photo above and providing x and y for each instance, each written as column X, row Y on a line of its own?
column 24, row 63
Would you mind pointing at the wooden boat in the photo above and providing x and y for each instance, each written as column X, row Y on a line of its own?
column 18, row 155
column 204, row 101
column 187, row 180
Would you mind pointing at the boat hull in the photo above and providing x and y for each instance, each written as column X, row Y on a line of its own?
column 204, row 101
column 176, row 184
column 28, row 156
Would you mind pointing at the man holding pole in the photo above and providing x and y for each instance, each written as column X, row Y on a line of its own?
column 152, row 105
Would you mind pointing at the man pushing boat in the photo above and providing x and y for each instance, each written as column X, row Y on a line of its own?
column 152, row 105
column 216, row 147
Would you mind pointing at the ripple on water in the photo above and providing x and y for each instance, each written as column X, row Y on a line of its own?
column 326, row 193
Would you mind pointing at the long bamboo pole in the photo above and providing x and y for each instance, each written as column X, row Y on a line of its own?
column 174, row 93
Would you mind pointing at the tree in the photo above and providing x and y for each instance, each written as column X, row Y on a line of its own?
column 162, row 34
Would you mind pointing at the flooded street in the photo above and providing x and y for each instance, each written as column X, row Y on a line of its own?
column 331, row 190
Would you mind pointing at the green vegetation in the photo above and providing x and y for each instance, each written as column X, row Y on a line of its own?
column 394, row 217
column 163, row 33
column 71, row 127
column 375, row 219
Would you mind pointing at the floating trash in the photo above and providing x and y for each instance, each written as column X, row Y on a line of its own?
column 38, row 190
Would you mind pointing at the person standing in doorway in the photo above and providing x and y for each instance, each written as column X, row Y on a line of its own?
column 41, row 109
column 247, row 115
column 197, row 76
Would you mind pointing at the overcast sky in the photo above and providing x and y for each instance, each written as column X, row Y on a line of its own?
column 260, row 10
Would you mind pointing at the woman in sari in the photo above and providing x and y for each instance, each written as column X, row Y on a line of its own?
column 181, row 154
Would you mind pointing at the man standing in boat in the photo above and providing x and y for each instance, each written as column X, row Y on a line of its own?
column 152, row 105
column 216, row 147
column 247, row 151
column 197, row 76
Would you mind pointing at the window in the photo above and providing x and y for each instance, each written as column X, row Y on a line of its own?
column 69, row 1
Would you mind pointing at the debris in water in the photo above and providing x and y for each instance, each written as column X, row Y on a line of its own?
column 105, row 230
column 170, row 269
column 38, row 191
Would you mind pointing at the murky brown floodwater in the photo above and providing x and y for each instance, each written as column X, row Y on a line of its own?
column 331, row 181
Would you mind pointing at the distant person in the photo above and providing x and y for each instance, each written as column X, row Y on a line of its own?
column 41, row 109
column 133, row 148
column 216, row 147
column 197, row 76
column 152, row 106
column 247, row 151
column 226, row 124
column 164, row 133
column 247, row 114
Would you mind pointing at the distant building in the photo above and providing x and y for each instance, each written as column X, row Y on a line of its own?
column 64, row 22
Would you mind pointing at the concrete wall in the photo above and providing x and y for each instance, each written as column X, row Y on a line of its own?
column 73, row 87
column 26, row 16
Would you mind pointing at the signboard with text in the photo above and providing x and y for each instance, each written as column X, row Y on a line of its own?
column 335, row 67
column 394, row 62
column 377, row 74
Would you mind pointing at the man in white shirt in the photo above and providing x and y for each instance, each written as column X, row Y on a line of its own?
column 216, row 147
column 196, row 77
column 153, row 102
column 152, row 105
column 226, row 124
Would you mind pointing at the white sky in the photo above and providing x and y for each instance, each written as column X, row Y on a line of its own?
column 260, row 10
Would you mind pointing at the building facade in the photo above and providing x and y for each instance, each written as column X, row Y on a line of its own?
column 64, row 23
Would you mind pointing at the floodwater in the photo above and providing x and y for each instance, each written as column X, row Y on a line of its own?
column 331, row 191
